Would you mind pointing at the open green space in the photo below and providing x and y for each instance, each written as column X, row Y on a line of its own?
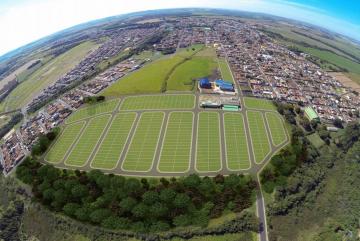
column 186, row 74
column 259, row 104
column 237, row 154
column 82, row 150
column 141, row 152
column 176, row 149
column 158, row 102
column 45, row 76
column 208, row 152
column 225, row 70
column 259, row 138
column 277, row 130
column 66, row 140
column 92, row 110
column 315, row 140
column 113, row 143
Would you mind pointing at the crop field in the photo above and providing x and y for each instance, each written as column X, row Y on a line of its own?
column 46, row 75
column 67, row 138
column 158, row 102
column 92, row 110
column 259, row 104
column 82, row 150
column 113, row 143
column 225, row 70
column 277, row 130
column 259, row 137
column 141, row 152
column 237, row 154
column 175, row 153
column 208, row 152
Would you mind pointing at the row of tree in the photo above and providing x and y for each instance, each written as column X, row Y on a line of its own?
column 116, row 202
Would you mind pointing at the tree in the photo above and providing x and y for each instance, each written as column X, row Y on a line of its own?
column 128, row 204
column 141, row 210
column 150, row 197
column 192, row 181
column 182, row 220
column 167, row 195
column 338, row 123
column 181, row 200
column 79, row 191
column 114, row 222
column 99, row 215
column 159, row 226
column 70, row 209
column 82, row 214
column 158, row 210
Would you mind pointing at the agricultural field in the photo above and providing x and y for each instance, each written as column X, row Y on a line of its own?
column 92, row 110
column 158, row 102
column 108, row 154
column 141, row 153
column 208, row 151
column 260, row 141
column 259, row 104
column 237, row 155
column 45, row 76
column 277, row 130
column 175, row 153
column 82, row 150
column 66, row 140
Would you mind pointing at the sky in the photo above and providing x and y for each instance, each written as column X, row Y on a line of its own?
column 24, row 21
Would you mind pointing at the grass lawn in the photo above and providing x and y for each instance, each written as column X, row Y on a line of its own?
column 176, row 149
column 113, row 143
column 237, row 154
column 46, row 75
column 66, row 140
column 82, row 150
column 315, row 140
column 149, row 79
column 225, row 70
column 185, row 75
column 141, row 152
column 259, row 104
column 158, row 102
column 208, row 153
column 260, row 141
column 277, row 130
column 92, row 110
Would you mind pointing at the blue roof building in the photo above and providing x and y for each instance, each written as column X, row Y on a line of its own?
column 205, row 83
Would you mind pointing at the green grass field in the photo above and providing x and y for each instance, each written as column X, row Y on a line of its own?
column 82, row 150
column 113, row 143
column 185, row 75
column 315, row 140
column 237, row 154
column 225, row 70
column 45, row 76
column 277, row 130
column 208, row 153
column 158, row 102
column 176, row 149
column 259, row 104
column 260, row 141
column 141, row 152
column 92, row 110
column 66, row 140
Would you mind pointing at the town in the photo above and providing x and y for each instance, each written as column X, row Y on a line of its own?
column 260, row 66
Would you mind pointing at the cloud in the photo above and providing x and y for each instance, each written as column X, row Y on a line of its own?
column 31, row 20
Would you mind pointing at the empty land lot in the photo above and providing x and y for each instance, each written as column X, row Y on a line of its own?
column 259, row 104
column 277, row 130
column 158, row 102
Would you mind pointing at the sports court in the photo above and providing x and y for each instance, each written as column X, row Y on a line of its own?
column 260, row 141
column 176, row 149
column 108, row 154
column 237, row 155
column 158, row 102
column 143, row 145
column 208, row 150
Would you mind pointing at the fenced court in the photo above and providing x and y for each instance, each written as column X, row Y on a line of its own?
column 68, row 136
column 108, row 154
column 93, row 110
column 237, row 155
column 158, row 102
column 87, row 141
column 208, row 150
column 175, row 153
column 140, row 155
column 277, row 130
column 259, row 138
